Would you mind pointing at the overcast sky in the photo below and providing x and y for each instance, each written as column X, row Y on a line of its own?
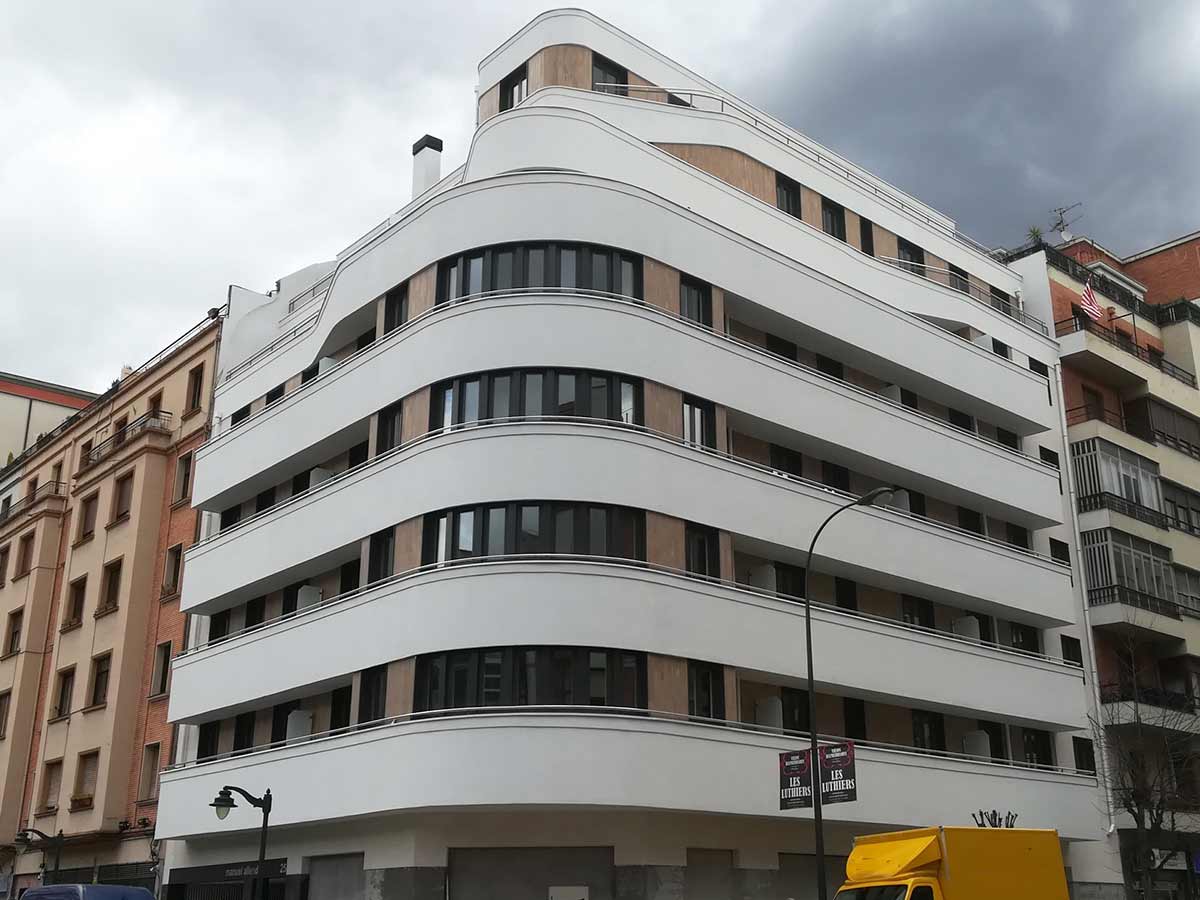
column 155, row 152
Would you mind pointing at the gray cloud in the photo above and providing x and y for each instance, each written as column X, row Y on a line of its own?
column 157, row 152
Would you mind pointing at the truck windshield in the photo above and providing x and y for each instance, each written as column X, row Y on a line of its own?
column 878, row 892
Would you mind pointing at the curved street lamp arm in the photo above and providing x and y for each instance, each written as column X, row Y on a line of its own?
column 263, row 802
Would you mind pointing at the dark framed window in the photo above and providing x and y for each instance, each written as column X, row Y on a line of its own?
column 1008, row 438
column 238, row 416
column 388, row 428
column 781, row 347
column 365, row 340
column 1060, row 550
column 310, row 373
column 970, row 520
column 256, row 610
column 382, row 558
column 845, row 593
column 854, row 711
column 909, row 398
column 218, row 625
column 911, row 256
column 833, row 219
column 264, row 500
column 835, row 476
column 517, row 393
column 1039, row 367
column 358, row 454
column 699, row 422
column 702, row 550
column 789, row 580
column 609, row 77
column 1048, row 456
column 706, row 690
column 831, row 367
column 1001, row 300
column 231, row 516
column 916, row 502
column 561, row 266
column 301, row 481
column 349, row 575
column 785, row 459
column 695, row 300
column 395, row 308
column 1072, row 649
column 1001, row 349
column 1085, row 754
column 917, row 611
column 340, row 706
column 533, row 527
column 514, row 88
column 1037, row 746
column 959, row 279
column 279, row 719
column 1024, row 637
column 275, row 394
column 531, row 676
column 372, row 694
column 787, row 195
column 795, row 708
column 1017, row 535
column 929, row 730
column 209, row 740
column 243, row 731
column 866, row 235
column 961, row 420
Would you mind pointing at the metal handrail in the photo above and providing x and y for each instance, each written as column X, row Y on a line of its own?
column 1124, row 692
column 318, row 287
column 1081, row 273
column 843, row 168
column 1127, row 596
column 1117, row 503
column 472, row 714
column 271, row 347
column 644, row 306
column 155, row 419
column 49, row 489
column 955, row 282
column 1077, row 415
column 1069, row 326
column 517, row 560
column 583, row 422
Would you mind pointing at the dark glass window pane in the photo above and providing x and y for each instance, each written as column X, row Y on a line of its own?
column 600, row 270
column 503, row 270
column 464, row 540
column 566, row 268
column 458, row 681
column 500, row 391
column 564, row 530
column 866, row 232
column 492, row 677
column 533, row 394
column 535, row 264
column 597, row 678
column 473, row 284
column 626, row 532
column 599, row 398
column 470, row 401
column 855, row 713
column 562, row 682
column 598, row 531
column 566, row 394
column 531, row 530
column 495, row 531
column 627, row 287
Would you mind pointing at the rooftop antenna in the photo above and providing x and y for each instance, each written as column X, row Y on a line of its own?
column 1063, row 220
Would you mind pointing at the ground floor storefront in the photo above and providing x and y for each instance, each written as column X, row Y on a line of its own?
column 1175, row 865
column 526, row 855
column 128, row 859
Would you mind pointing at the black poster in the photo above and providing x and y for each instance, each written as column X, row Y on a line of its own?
column 838, row 781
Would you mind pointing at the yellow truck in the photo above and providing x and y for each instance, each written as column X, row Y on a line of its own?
column 956, row 864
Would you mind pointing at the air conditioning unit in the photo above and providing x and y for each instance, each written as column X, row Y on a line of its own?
column 977, row 743
column 966, row 626
column 768, row 712
column 325, row 362
column 307, row 596
column 299, row 725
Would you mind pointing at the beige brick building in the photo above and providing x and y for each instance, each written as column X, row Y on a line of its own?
column 90, row 564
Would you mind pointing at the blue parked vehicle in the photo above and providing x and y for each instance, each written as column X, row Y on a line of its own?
column 86, row 892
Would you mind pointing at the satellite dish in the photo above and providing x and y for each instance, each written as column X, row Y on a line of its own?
column 1065, row 235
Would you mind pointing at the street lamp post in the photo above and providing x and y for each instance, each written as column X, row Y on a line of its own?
column 867, row 499
column 224, row 802
column 55, row 840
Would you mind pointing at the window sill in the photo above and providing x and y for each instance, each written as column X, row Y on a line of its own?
column 83, row 539
column 17, row 576
column 158, row 698
column 170, row 595
column 106, row 611
column 52, row 720
column 182, row 502
column 45, row 811
column 72, row 625
column 94, row 707
column 147, row 801
column 119, row 520
column 191, row 412
column 9, row 655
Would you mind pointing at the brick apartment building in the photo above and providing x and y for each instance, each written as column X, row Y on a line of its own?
column 91, row 548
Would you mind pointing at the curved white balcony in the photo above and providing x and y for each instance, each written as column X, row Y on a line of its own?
column 616, row 603
column 827, row 416
column 609, row 463
column 588, row 759
column 867, row 332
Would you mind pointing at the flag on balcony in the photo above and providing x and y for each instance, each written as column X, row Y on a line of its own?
column 1088, row 302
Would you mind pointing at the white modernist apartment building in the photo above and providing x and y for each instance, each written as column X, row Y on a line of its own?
column 507, row 509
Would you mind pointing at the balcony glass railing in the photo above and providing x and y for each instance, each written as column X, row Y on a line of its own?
column 599, row 711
